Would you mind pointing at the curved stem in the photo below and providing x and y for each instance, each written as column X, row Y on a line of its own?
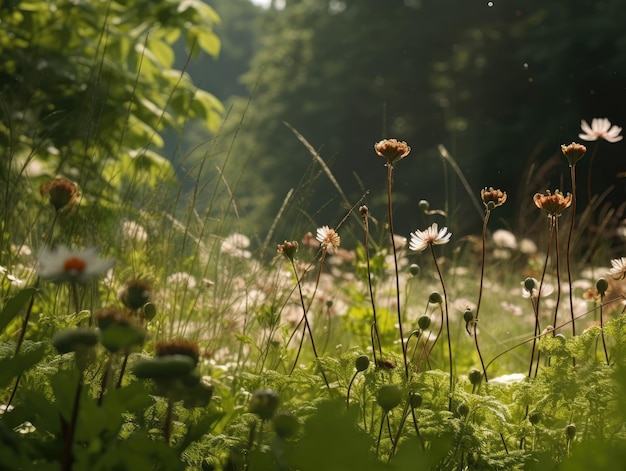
column 480, row 294
column 395, row 263
column 371, row 291
column 558, row 271
column 606, row 353
column 445, row 300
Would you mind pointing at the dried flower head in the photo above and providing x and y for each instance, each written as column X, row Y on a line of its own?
column 554, row 204
column 178, row 347
column 431, row 236
column 63, row 193
column 492, row 198
column 600, row 129
column 288, row 249
column 135, row 293
column 392, row 150
column 328, row 239
column 618, row 272
column 64, row 264
column 573, row 152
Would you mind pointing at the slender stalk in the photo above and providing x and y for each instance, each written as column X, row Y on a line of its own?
column 480, row 294
column 445, row 300
column 395, row 263
column 375, row 334
column 569, row 248
column 68, row 457
column 122, row 371
column 606, row 353
column 555, row 222
column 307, row 326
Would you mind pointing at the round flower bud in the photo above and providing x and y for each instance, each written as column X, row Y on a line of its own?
column 570, row 431
column 475, row 376
column 423, row 206
column 416, row 400
column 362, row 363
column 463, row 409
column 148, row 312
column 388, row 396
column 285, row 425
column 264, row 403
column 602, row 285
column 468, row 315
column 529, row 284
column 435, row 298
column 423, row 322
column 414, row 269
column 72, row 340
column 534, row 417
column 561, row 337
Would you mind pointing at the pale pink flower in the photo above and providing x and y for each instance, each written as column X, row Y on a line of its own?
column 600, row 129
column 618, row 271
column 329, row 239
column 431, row 236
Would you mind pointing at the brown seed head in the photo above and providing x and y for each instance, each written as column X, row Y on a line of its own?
column 392, row 150
column 178, row 347
column 135, row 293
column 492, row 198
column 573, row 152
column 63, row 193
column 554, row 204
column 288, row 249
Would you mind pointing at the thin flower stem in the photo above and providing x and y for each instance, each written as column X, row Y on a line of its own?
column 606, row 353
column 395, row 263
column 122, row 371
column 371, row 291
column 537, row 302
column 68, row 456
column 445, row 300
column 480, row 293
column 307, row 326
column 349, row 388
column 569, row 248
column 558, row 271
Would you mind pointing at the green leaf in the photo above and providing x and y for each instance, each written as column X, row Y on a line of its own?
column 13, row 305
column 30, row 354
column 199, row 428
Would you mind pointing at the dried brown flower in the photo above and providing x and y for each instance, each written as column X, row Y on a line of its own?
column 178, row 347
column 573, row 152
column 288, row 249
column 63, row 193
column 135, row 293
column 554, row 204
column 492, row 198
column 392, row 150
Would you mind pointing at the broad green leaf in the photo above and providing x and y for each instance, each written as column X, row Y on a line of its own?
column 13, row 306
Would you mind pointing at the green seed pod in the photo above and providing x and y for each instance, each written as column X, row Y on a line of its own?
column 264, row 403
column 362, row 363
column 414, row 269
column 423, row 322
column 416, row 400
column 164, row 367
column 435, row 298
column 468, row 316
column 71, row 340
column 148, row 311
column 388, row 396
column 530, row 284
column 463, row 409
column 602, row 285
column 423, row 205
column 475, row 376
column 570, row 431
column 285, row 425
column 534, row 417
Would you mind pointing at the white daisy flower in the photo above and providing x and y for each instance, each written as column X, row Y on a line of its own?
column 235, row 245
column 600, row 129
column 431, row 236
column 328, row 238
column 505, row 239
column 618, row 271
column 63, row 264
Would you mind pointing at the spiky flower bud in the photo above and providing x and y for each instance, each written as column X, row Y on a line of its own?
column 415, row 400
column 63, row 193
column 475, row 376
column 264, row 403
column 288, row 249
